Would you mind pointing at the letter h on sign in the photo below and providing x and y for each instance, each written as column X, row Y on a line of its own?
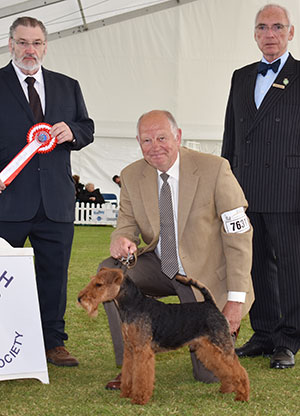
column 8, row 281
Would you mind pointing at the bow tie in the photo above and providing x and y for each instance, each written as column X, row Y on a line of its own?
column 263, row 67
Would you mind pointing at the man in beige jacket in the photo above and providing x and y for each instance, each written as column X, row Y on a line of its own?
column 212, row 232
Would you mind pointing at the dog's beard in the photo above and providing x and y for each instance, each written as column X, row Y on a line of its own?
column 93, row 313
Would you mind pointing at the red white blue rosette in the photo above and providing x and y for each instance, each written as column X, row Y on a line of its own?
column 39, row 141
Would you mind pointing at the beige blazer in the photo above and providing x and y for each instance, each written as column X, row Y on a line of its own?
column 207, row 188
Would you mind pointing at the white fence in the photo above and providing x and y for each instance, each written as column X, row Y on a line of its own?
column 94, row 214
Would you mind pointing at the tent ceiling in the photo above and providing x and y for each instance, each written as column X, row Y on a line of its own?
column 68, row 17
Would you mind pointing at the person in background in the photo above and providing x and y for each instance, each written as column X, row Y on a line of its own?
column 117, row 180
column 78, row 186
column 91, row 195
column 40, row 202
column 185, row 205
column 261, row 141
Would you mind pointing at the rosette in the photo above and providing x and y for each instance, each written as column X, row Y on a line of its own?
column 39, row 141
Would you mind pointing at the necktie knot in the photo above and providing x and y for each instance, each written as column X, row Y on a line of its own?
column 164, row 176
column 30, row 81
column 263, row 67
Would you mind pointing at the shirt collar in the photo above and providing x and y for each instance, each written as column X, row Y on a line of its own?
column 174, row 169
column 38, row 75
column 283, row 58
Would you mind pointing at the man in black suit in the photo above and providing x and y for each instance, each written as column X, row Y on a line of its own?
column 262, row 142
column 39, row 202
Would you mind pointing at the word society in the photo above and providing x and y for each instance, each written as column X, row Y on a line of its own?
column 13, row 352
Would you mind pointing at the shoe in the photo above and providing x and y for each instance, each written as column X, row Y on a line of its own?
column 114, row 384
column 61, row 357
column 253, row 349
column 282, row 358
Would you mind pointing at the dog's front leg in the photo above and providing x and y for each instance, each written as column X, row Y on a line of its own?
column 143, row 374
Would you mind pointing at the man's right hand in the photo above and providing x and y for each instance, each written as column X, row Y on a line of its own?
column 121, row 247
column 2, row 186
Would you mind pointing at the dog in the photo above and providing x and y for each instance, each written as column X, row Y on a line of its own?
column 150, row 326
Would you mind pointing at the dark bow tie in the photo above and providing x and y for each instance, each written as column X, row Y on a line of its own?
column 263, row 67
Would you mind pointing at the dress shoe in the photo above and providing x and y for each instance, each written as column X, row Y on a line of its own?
column 253, row 349
column 282, row 358
column 61, row 357
column 114, row 384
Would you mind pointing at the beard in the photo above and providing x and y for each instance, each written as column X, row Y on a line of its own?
column 27, row 66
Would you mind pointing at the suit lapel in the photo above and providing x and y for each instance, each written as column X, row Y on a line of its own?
column 249, row 85
column 14, row 85
column 188, row 183
column 149, row 194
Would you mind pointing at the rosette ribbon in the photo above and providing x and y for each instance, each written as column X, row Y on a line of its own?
column 39, row 141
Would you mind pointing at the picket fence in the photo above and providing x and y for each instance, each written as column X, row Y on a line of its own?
column 95, row 214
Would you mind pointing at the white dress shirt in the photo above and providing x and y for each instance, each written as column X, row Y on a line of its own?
column 38, row 85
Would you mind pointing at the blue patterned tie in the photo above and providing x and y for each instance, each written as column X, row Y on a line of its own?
column 169, row 261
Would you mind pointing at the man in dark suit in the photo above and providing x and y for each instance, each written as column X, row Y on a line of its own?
column 39, row 202
column 261, row 141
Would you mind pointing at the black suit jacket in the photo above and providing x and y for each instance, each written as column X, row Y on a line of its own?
column 46, row 176
column 263, row 146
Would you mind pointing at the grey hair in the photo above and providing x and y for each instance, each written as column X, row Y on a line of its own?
column 27, row 21
column 170, row 117
column 270, row 5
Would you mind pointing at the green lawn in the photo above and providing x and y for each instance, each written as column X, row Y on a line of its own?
column 80, row 391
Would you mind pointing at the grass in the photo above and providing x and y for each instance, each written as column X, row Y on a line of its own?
column 80, row 391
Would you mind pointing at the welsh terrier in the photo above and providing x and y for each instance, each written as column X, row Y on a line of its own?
column 150, row 326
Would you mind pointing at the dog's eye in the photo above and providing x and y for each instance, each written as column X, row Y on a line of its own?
column 98, row 284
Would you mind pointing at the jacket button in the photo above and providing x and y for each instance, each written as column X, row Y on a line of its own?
column 267, row 165
column 277, row 119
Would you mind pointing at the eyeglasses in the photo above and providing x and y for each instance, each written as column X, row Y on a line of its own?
column 24, row 44
column 276, row 28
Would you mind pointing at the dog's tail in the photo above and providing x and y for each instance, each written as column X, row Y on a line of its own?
column 191, row 282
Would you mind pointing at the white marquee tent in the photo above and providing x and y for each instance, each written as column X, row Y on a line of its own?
column 131, row 56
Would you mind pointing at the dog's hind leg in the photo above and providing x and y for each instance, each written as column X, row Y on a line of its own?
column 225, row 366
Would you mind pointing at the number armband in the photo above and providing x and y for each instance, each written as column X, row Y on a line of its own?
column 235, row 221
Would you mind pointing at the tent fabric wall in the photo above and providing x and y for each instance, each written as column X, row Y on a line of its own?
column 180, row 59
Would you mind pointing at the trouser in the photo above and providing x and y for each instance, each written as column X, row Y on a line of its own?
column 147, row 275
column 51, row 242
column 275, row 314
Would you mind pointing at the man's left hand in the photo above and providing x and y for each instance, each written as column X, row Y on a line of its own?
column 62, row 132
column 233, row 312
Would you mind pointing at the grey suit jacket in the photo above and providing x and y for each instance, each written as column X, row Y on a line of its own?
column 46, row 176
column 263, row 146
column 207, row 188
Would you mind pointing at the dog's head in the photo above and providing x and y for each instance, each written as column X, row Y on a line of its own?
column 103, row 287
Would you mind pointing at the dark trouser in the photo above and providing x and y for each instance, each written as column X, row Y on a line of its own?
column 275, row 314
column 51, row 242
column 147, row 275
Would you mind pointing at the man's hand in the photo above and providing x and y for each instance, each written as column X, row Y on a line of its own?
column 233, row 312
column 62, row 132
column 121, row 247
column 2, row 186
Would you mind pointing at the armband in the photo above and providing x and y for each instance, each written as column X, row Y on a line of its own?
column 235, row 221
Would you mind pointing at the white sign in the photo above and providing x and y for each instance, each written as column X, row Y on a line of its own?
column 22, row 351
